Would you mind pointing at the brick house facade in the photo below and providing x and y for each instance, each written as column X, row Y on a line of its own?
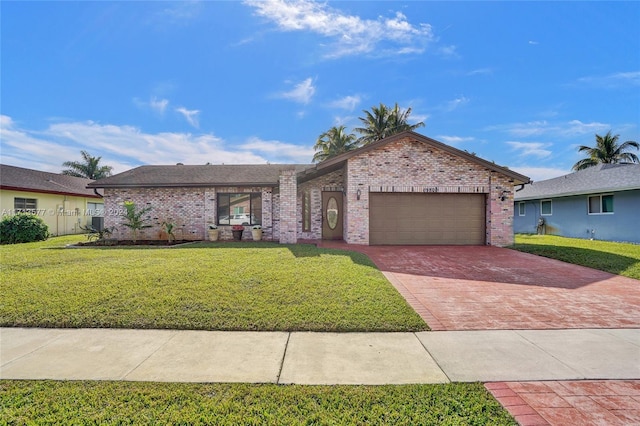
column 292, row 198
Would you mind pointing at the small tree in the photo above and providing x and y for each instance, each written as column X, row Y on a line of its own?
column 22, row 228
column 134, row 219
column 168, row 227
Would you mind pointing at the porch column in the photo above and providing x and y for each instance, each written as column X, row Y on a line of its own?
column 288, row 210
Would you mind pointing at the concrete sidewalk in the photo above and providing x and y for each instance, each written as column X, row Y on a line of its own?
column 319, row 358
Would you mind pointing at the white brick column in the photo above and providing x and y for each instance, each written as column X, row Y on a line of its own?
column 288, row 196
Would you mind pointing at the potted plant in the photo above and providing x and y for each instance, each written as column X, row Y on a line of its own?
column 237, row 230
column 256, row 231
column 213, row 233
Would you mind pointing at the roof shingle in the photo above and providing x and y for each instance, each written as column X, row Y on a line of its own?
column 600, row 178
column 199, row 175
column 18, row 178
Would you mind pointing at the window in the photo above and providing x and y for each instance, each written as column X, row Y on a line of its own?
column 545, row 207
column 28, row 205
column 240, row 209
column 306, row 211
column 521, row 208
column 601, row 204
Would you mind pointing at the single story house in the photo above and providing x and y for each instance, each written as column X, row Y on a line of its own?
column 404, row 189
column 63, row 202
column 600, row 202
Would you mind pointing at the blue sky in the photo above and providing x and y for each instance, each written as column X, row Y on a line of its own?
column 519, row 83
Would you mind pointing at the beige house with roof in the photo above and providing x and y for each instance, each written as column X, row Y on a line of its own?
column 405, row 189
column 63, row 202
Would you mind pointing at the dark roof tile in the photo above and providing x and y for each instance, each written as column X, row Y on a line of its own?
column 18, row 178
column 199, row 175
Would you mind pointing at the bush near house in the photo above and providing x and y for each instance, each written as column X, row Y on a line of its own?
column 22, row 228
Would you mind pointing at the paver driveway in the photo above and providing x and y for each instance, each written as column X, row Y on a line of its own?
column 484, row 288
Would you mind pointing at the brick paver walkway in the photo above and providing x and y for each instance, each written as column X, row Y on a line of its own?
column 587, row 402
column 490, row 288
column 484, row 288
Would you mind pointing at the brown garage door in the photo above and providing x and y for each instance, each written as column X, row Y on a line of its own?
column 401, row 218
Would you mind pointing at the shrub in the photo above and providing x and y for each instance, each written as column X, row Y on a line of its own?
column 22, row 228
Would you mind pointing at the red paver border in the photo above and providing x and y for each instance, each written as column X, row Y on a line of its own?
column 583, row 402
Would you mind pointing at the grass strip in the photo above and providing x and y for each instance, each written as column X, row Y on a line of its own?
column 90, row 402
column 616, row 258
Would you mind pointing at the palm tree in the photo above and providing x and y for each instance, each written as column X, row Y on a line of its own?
column 334, row 142
column 383, row 121
column 398, row 121
column 376, row 124
column 607, row 150
column 88, row 168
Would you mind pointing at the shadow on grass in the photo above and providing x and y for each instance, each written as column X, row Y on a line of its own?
column 298, row 250
column 604, row 261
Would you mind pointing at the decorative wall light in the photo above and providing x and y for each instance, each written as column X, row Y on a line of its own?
column 358, row 194
column 503, row 196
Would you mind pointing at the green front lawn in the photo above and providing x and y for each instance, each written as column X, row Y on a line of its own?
column 49, row 402
column 617, row 258
column 209, row 286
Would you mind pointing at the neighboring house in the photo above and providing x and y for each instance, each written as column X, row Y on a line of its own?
column 63, row 202
column 601, row 202
column 405, row 189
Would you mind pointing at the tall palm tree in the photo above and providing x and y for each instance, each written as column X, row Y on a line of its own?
column 399, row 120
column 383, row 121
column 89, row 168
column 376, row 124
column 607, row 150
column 333, row 142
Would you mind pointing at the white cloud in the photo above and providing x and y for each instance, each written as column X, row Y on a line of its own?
column 612, row 81
column 279, row 152
column 455, row 140
column 455, row 103
column 352, row 35
column 301, row 93
column 540, row 173
column 190, row 115
column 526, row 149
column 543, row 127
column 481, row 71
column 449, row 51
column 182, row 11
column 348, row 103
column 124, row 147
column 157, row 105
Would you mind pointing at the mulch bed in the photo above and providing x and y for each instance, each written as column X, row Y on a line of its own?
column 114, row 242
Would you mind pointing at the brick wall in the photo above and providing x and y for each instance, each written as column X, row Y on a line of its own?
column 192, row 210
column 403, row 165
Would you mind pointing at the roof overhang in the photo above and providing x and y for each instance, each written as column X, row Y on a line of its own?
column 43, row 191
column 595, row 191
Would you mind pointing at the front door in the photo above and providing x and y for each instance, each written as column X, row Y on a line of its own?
column 332, row 215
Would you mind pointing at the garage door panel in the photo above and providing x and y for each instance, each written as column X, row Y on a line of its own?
column 402, row 218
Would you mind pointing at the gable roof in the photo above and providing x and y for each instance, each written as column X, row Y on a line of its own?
column 199, row 176
column 21, row 179
column 596, row 179
column 338, row 161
